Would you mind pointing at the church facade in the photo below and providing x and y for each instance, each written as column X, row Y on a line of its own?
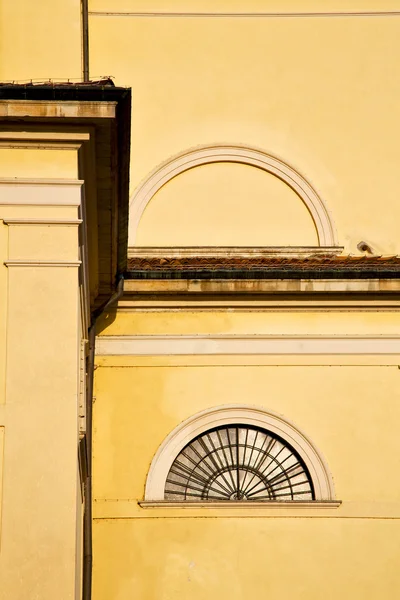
column 201, row 283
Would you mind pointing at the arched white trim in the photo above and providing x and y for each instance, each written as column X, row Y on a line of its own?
column 238, row 154
column 229, row 415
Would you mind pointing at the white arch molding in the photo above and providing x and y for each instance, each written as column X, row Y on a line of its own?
column 204, row 155
column 233, row 415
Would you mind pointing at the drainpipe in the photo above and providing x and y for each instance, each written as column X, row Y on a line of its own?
column 87, row 515
column 85, row 39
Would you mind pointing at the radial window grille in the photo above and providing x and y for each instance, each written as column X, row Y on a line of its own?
column 238, row 462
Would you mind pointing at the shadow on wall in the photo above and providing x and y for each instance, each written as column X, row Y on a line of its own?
column 105, row 320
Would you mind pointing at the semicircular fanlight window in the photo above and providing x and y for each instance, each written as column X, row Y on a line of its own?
column 238, row 462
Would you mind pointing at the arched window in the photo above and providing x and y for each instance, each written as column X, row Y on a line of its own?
column 238, row 462
column 238, row 453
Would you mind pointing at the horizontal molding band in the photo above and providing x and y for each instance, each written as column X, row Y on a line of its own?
column 57, row 108
column 241, row 361
column 250, row 14
column 233, row 251
column 53, row 136
column 120, row 508
column 149, row 304
column 42, row 222
column 42, row 263
column 40, row 204
column 197, row 287
column 27, row 181
column 157, row 345
column 40, row 192
column 232, row 504
column 36, row 145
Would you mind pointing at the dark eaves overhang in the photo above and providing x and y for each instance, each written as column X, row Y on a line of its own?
column 106, row 109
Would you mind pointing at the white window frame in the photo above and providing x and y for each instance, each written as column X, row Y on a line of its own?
column 225, row 415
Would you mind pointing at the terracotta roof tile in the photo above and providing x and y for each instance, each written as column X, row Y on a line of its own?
column 236, row 262
column 263, row 266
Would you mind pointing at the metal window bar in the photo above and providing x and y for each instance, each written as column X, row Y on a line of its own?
column 238, row 462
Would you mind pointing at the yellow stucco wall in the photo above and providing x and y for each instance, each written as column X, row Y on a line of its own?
column 3, row 310
column 39, row 379
column 336, row 405
column 28, row 163
column 233, row 558
column 250, row 207
column 256, row 321
column 345, row 404
column 318, row 92
column 40, row 40
column 351, row 551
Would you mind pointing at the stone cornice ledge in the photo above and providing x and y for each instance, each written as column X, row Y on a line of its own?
column 57, row 108
column 42, row 221
column 223, row 252
column 198, row 287
column 39, row 181
column 232, row 504
column 42, row 263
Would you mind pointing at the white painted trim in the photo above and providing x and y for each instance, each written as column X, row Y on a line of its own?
column 233, row 505
column 42, row 263
column 40, row 192
column 42, row 222
column 203, row 155
column 229, row 415
column 217, row 344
